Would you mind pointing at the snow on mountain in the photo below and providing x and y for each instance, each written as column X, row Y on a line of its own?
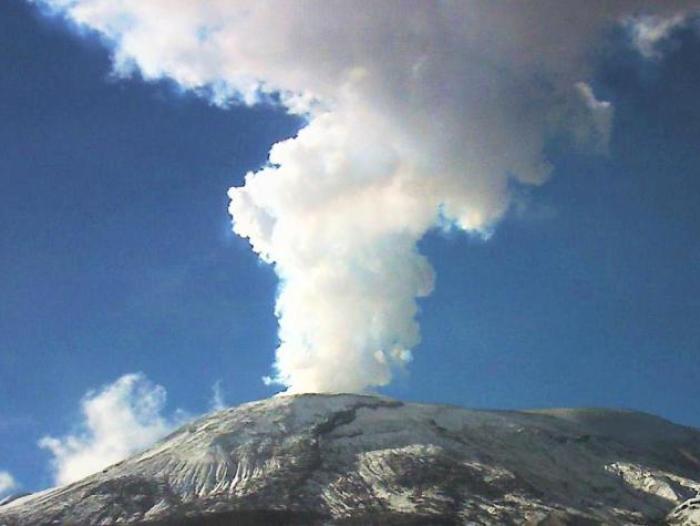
column 352, row 459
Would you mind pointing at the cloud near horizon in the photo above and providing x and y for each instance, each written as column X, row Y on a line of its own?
column 119, row 419
column 217, row 402
column 421, row 115
column 7, row 483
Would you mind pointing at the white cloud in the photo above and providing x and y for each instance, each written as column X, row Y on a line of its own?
column 7, row 483
column 648, row 31
column 217, row 402
column 118, row 420
column 594, row 128
column 421, row 113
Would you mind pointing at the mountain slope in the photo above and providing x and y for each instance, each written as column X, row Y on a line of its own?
column 350, row 459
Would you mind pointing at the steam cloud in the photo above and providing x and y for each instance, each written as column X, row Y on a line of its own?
column 420, row 114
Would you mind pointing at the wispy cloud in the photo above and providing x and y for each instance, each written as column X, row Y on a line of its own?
column 594, row 129
column 217, row 402
column 649, row 31
column 119, row 419
column 7, row 483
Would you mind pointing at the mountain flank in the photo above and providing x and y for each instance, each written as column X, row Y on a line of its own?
column 363, row 460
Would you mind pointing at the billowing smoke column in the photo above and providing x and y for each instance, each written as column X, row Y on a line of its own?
column 421, row 114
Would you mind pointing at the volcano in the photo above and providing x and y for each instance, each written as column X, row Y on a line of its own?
column 352, row 459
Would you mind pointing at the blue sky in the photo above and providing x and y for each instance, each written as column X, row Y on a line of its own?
column 116, row 252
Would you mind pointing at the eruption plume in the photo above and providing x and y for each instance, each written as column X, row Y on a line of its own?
column 421, row 114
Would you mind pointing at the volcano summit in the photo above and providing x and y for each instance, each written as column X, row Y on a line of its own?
column 352, row 459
